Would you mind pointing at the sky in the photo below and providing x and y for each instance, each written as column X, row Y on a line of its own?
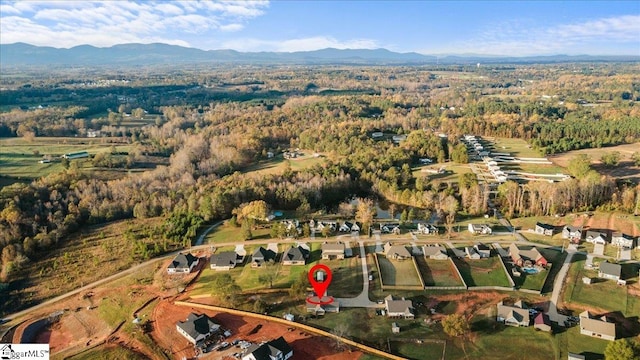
column 514, row 28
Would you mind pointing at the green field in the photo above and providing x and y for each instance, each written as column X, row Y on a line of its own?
column 398, row 273
column 603, row 294
column 572, row 341
column 226, row 233
column 19, row 157
column 277, row 164
column 437, row 272
column 451, row 174
column 517, row 147
column 482, row 272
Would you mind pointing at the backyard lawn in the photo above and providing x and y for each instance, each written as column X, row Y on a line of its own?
column 438, row 272
column 482, row 272
column 398, row 273
column 228, row 233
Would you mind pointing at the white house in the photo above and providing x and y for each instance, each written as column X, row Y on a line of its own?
column 516, row 315
column 398, row 308
column 197, row 328
column 622, row 240
column 598, row 327
column 427, row 229
column 483, row 229
column 596, row 237
column 182, row 264
column 277, row 349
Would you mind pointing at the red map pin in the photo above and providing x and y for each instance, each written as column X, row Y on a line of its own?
column 320, row 282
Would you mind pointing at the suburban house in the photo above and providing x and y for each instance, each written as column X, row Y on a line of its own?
column 396, row 252
column 482, row 229
column 526, row 258
column 573, row 356
column 610, row 271
column 296, row 255
column 544, row 229
column 500, row 250
column 516, row 315
column 321, row 225
column 398, row 308
column 390, row 228
column 598, row 327
column 472, row 253
column 572, row 233
column 332, row 251
column 317, row 309
column 483, row 250
column 622, row 240
column 261, row 256
column 182, row 264
column 427, row 229
column 277, row 349
column 596, row 237
column 542, row 322
column 348, row 227
column 436, row 252
column 197, row 328
column 225, row 260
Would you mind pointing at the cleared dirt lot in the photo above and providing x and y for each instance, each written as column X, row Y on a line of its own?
column 305, row 346
column 625, row 169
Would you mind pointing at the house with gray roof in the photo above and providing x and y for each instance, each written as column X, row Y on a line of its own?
column 197, row 328
column 436, row 252
column 622, row 240
column 296, row 255
column 598, row 327
column 573, row 233
column 277, row 349
column 516, row 315
column 182, row 264
column 332, row 251
column 596, row 237
column 610, row 271
column 396, row 252
column 480, row 229
column 262, row 256
column 398, row 308
column 225, row 260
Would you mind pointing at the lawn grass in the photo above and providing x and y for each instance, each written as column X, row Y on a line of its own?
column 452, row 172
column 398, row 273
column 418, row 351
column 516, row 147
column 227, row 233
column 482, row 272
column 437, row 272
column 603, row 294
column 572, row 341
column 276, row 165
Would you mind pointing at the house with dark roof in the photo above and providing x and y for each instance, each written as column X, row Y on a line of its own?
column 398, row 308
column 396, row 252
column 598, row 327
column 472, row 253
column 262, row 256
column 197, row 328
column 596, row 237
column 277, row 349
column 182, row 264
column 610, row 271
column 542, row 322
column 573, row 233
column 622, row 240
column 483, row 250
column 296, row 255
column 427, row 229
column 526, row 258
column 225, row 260
column 516, row 315
column 480, row 229
column 544, row 229
column 393, row 228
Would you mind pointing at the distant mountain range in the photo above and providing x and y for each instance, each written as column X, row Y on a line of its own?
column 21, row 54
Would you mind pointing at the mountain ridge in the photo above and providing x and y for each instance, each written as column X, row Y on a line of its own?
column 23, row 54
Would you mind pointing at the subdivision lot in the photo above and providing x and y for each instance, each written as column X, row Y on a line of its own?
column 626, row 169
column 602, row 294
column 437, row 272
column 482, row 272
column 398, row 272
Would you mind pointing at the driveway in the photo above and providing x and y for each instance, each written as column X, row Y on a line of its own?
column 557, row 287
column 361, row 300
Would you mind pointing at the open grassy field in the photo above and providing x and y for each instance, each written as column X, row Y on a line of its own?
column 414, row 350
column 482, row 272
column 516, row 147
column 85, row 256
column 452, row 172
column 277, row 164
column 572, row 341
column 398, row 273
column 437, row 272
column 603, row 294
column 19, row 157
column 626, row 169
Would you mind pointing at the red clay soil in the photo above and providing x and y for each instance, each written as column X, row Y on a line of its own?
column 305, row 346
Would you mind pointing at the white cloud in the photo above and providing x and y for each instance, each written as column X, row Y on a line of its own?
column 105, row 23
column 300, row 44
column 523, row 38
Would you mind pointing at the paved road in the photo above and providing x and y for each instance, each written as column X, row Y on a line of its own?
column 557, row 287
column 361, row 300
